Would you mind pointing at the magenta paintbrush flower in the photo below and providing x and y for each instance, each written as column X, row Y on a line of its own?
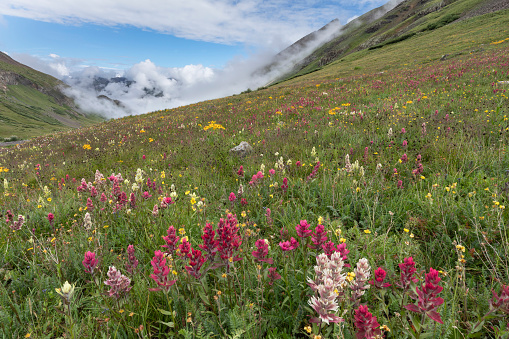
column 380, row 275
column 367, row 325
column 289, row 245
column 161, row 272
column 303, row 230
column 428, row 301
column 90, row 262
column 262, row 251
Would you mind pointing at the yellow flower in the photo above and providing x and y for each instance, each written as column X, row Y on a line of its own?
column 308, row 329
column 120, row 311
column 367, row 231
column 423, row 177
column 342, row 240
column 320, row 220
column 27, row 335
column 87, row 147
column 243, row 214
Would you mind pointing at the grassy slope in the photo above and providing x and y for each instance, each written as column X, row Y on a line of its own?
column 359, row 37
column 27, row 112
column 338, row 110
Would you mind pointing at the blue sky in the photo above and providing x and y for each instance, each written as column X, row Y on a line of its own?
column 190, row 50
column 171, row 33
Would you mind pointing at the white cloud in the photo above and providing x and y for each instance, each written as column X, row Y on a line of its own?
column 252, row 22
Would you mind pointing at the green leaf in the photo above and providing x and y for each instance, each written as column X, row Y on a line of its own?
column 164, row 311
column 167, row 324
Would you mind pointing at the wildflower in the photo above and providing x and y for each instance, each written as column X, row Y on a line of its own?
column 87, row 221
column 232, row 197
column 196, row 260
column 119, row 283
column 314, row 171
column 260, row 254
column 90, row 205
column 327, row 285
column 427, row 296
column 400, row 184
column 303, row 230
column 359, row 285
column 404, row 158
column 273, row 275
column 171, row 240
column 343, row 251
column 501, row 303
column 267, row 216
column 184, row 247
column 155, row 210
column 66, row 291
column 18, row 224
column 367, row 231
column 209, row 243
column 284, row 186
column 228, row 239
column 240, row 172
column 289, row 245
column 367, row 325
column 161, row 272
column 405, row 143
column 51, row 218
column 90, row 262
column 380, row 275
column 407, row 271
column 318, row 237
column 132, row 261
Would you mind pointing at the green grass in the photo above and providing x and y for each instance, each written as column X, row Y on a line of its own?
column 426, row 178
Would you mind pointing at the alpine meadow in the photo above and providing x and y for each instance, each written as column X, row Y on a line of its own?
column 371, row 205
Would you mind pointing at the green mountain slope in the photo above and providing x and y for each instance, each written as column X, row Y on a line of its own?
column 31, row 103
column 408, row 19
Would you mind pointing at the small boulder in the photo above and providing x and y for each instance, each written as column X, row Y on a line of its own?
column 242, row 149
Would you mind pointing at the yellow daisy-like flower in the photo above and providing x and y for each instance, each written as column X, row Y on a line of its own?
column 367, row 231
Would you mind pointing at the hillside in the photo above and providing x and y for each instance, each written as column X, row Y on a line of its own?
column 379, row 28
column 31, row 103
column 375, row 200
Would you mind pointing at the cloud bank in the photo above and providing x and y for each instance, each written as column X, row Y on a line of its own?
column 252, row 22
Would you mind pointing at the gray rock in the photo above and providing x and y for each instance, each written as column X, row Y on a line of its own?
column 242, row 149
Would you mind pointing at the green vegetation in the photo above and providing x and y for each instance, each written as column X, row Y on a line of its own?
column 394, row 161
column 34, row 106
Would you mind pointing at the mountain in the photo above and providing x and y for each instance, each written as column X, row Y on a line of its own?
column 32, row 103
column 389, row 24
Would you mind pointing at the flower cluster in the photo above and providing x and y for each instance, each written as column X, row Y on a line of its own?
column 428, row 301
column 119, row 284
column 262, row 251
column 161, row 272
column 90, row 262
column 359, row 284
column 367, row 325
column 328, row 284
column 132, row 261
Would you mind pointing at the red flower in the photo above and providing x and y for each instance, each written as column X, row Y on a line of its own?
column 240, row 172
column 232, row 197
column 427, row 295
column 407, row 271
column 90, row 262
column 380, row 275
column 209, row 243
column 303, row 230
column 502, row 302
column 196, row 261
column 273, row 275
column 319, row 237
column 171, row 240
column 367, row 325
column 262, row 251
column 289, row 245
column 161, row 272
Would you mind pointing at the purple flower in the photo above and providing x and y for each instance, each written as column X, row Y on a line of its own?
column 132, row 261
